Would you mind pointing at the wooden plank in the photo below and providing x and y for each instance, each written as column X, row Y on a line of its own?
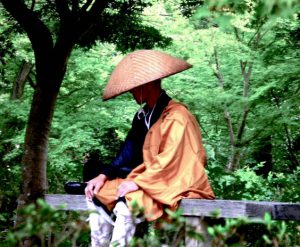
column 286, row 211
column 235, row 209
column 202, row 208
column 68, row 202
column 226, row 209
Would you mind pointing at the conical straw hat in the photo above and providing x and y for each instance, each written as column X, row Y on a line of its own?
column 141, row 67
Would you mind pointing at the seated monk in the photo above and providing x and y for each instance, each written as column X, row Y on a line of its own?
column 162, row 159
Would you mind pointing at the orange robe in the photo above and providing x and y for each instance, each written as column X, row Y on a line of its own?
column 173, row 167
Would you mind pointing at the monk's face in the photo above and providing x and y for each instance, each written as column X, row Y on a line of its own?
column 146, row 92
column 139, row 94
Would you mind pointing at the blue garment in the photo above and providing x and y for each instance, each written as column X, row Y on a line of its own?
column 131, row 152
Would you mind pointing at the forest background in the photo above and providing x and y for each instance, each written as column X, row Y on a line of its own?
column 243, row 88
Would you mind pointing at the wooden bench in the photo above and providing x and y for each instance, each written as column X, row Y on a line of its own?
column 194, row 210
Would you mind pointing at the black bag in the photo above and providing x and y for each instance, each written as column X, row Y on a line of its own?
column 92, row 168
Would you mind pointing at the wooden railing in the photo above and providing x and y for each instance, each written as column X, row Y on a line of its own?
column 195, row 210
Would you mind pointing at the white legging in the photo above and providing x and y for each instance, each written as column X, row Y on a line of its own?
column 106, row 232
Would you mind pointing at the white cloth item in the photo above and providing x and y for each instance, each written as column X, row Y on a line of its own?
column 125, row 226
column 101, row 226
column 105, row 232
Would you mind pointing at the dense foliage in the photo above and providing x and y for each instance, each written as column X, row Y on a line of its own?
column 244, row 89
column 56, row 228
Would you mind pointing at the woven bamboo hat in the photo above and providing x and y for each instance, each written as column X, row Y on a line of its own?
column 141, row 67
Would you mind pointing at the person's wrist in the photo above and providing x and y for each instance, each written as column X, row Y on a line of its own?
column 102, row 177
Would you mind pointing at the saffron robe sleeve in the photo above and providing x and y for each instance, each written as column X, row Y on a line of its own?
column 173, row 166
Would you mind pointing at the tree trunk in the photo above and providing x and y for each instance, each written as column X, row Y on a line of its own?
column 36, row 145
column 34, row 160
column 234, row 159
column 49, row 77
column 20, row 80
column 51, row 60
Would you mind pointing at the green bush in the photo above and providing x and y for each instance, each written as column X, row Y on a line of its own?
column 45, row 226
column 223, row 232
column 245, row 232
column 245, row 184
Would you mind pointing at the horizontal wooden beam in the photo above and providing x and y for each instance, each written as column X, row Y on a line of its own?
column 235, row 209
column 67, row 202
column 202, row 208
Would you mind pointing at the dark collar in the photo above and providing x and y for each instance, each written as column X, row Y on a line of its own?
column 160, row 105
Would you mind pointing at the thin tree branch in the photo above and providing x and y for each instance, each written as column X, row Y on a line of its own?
column 89, row 12
column 261, row 35
column 64, row 96
column 20, row 80
column 36, row 30
column 85, row 7
column 254, row 35
column 219, row 75
column 243, row 67
column 75, row 6
column 237, row 34
column 246, row 76
column 269, row 44
column 31, row 82
column 62, row 9
column 97, row 7
column 32, row 4
column 242, row 125
column 218, row 72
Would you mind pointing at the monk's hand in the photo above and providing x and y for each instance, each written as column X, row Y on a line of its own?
column 126, row 187
column 94, row 185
